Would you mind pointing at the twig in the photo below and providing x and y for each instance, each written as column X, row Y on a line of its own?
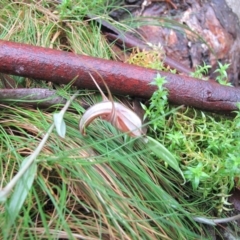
column 216, row 221
column 38, row 97
column 31, row 96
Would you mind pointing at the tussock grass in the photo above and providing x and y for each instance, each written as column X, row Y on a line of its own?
column 100, row 186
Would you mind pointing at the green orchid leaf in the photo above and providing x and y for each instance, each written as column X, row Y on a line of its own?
column 162, row 152
column 59, row 124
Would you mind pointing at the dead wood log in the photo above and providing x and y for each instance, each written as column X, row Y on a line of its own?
column 123, row 79
column 129, row 41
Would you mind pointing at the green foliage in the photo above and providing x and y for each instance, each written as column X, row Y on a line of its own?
column 155, row 112
column 222, row 77
column 150, row 58
column 102, row 185
column 26, row 174
column 207, row 152
column 74, row 9
column 207, row 146
column 162, row 153
column 107, row 185
column 195, row 175
column 201, row 71
column 59, row 124
column 20, row 193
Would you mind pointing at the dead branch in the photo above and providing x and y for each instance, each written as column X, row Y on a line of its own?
column 123, row 79
column 36, row 97
column 31, row 96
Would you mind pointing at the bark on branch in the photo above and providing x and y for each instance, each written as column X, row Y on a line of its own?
column 123, row 79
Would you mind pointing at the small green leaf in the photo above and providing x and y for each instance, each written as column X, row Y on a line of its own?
column 59, row 124
column 21, row 191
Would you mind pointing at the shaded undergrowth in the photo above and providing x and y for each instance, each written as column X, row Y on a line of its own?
column 105, row 185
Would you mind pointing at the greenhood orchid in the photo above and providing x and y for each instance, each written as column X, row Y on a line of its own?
column 120, row 116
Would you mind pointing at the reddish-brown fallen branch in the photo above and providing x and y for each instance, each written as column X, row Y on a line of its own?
column 61, row 67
